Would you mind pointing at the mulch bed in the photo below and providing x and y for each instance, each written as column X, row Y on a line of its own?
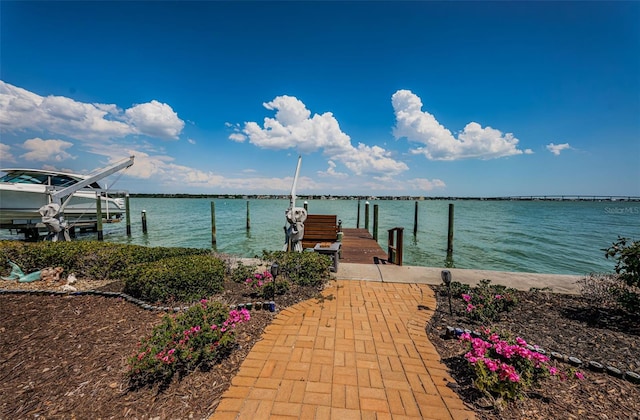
column 567, row 324
column 65, row 357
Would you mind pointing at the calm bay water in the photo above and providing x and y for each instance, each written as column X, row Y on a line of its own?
column 563, row 237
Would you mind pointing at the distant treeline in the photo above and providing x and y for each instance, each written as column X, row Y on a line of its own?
column 411, row 198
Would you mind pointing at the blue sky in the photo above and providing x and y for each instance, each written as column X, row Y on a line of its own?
column 379, row 98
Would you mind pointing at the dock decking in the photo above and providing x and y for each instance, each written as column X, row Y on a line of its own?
column 358, row 246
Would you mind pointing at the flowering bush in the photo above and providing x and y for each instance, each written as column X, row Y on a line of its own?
column 486, row 301
column 506, row 367
column 265, row 286
column 198, row 337
column 258, row 280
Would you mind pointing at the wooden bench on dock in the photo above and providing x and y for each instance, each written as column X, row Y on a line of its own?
column 320, row 228
column 321, row 235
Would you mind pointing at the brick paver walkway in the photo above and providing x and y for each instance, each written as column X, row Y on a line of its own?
column 359, row 353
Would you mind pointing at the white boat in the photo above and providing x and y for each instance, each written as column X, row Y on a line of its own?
column 23, row 192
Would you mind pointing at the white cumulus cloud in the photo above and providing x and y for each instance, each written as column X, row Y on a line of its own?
column 46, row 150
column 331, row 171
column 295, row 128
column 557, row 148
column 155, row 119
column 6, row 155
column 438, row 142
column 422, row 184
column 59, row 115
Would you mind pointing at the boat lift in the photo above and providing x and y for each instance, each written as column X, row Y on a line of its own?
column 53, row 213
column 296, row 217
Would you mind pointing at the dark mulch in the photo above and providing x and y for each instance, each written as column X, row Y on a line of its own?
column 566, row 324
column 65, row 357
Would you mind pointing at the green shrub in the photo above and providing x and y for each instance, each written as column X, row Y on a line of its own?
column 457, row 288
column 626, row 252
column 302, row 268
column 240, row 273
column 178, row 279
column 199, row 337
column 92, row 259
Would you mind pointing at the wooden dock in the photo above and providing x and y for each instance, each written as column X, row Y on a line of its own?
column 358, row 246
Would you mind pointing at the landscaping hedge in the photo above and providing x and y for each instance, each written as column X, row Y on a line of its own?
column 179, row 279
column 89, row 259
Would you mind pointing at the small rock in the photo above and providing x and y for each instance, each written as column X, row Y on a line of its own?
column 68, row 288
column 71, row 278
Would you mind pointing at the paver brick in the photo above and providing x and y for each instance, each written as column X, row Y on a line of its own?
column 230, row 404
column 286, row 409
column 376, row 393
column 395, row 401
column 338, row 396
column 317, row 398
column 352, row 396
column 318, row 387
column 374, row 404
column 263, row 394
column 345, row 414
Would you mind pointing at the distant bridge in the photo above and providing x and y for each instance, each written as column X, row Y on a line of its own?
column 569, row 198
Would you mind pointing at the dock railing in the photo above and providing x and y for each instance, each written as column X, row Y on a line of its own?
column 395, row 245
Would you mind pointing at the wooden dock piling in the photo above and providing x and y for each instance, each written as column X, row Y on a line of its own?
column 128, row 213
column 99, row 216
column 450, row 233
column 366, row 215
column 375, row 222
column 214, row 240
column 358, row 216
column 395, row 247
column 415, row 220
column 144, row 221
column 248, row 217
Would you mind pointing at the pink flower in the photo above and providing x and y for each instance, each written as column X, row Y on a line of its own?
column 471, row 358
column 214, row 327
column 553, row 370
column 520, row 341
column 491, row 364
column 498, row 296
column 514, row 377
column 470, row 307
column 579, row 375
column 171, row 351
column 467, row 298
